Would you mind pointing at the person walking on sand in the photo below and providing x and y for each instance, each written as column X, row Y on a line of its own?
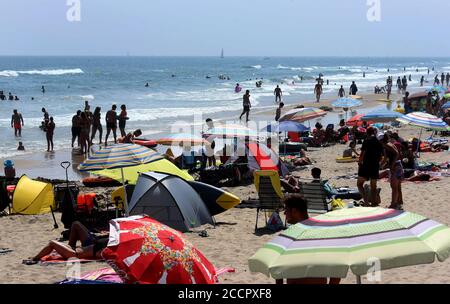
column 278, row 113
column 389, row 88
column 442, row 79
column 49, row 134
column 369, row 166
column 123, row 120
column 422, row 80
column 318, row 91
column 278, row 93
column 85, row 127
column 246, row 105
column 17, row 123
column 111, row 124
column 447, row 79
column 353, row 88
column 97, row 125
column 341, row 92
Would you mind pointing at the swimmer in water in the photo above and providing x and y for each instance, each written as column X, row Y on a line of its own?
column 43, row 89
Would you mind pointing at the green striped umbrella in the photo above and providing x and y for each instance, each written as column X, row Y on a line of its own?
column 330, row 244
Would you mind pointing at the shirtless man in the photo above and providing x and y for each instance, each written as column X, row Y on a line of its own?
column 17, row 123
column 111, row 124
column 318, row 91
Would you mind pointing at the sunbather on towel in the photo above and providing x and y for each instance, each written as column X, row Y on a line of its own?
column 303, row 160
column 91, row 247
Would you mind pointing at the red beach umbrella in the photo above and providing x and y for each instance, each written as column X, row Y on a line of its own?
column 356, row 121
column 143, row 250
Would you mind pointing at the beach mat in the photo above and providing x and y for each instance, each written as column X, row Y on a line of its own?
column 54, row 259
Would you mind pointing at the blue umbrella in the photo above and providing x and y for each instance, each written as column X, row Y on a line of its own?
column 382, row 116
column 446, row 105
column 346, row 103
column 439, row 89
column 286, row 126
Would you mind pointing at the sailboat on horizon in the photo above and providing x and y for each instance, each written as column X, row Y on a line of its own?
column 221, row 55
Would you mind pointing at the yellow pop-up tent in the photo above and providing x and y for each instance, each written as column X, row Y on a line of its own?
column 32, row 197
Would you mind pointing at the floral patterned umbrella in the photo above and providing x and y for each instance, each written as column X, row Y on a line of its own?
column 143, row 250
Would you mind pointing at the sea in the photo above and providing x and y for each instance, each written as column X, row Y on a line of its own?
column 179, row 88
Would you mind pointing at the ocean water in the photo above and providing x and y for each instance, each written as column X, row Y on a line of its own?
column 178, row 87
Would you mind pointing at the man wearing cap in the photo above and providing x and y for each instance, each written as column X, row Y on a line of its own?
column 369, row 165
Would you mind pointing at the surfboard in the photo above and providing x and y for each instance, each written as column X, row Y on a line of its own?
column 385, row 100
column 216, row 200
column 346, row 159
column 356, row 97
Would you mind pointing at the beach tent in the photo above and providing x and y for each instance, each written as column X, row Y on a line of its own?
column 32, row 197
column 170, row 200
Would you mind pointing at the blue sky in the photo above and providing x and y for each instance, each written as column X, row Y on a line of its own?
column 241, row 27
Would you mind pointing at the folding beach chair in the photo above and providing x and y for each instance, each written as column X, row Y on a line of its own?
column 315, row 196
column 267, row 183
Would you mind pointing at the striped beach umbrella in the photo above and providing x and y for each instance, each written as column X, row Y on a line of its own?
column 439, row 89
column 331, row 244
column 382, row 116
column 423, row 120
column 119, row 156
column 231, row 131
column 182, row 138
column 346, row 103
column 302, row 114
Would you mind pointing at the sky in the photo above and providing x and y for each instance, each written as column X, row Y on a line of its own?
column 241, row 27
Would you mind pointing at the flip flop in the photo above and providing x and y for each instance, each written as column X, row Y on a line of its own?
column 29, row 262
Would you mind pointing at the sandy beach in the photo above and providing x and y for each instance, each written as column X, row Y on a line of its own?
column 233, row 240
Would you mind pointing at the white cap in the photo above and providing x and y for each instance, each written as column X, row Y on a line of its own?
column 380, row 135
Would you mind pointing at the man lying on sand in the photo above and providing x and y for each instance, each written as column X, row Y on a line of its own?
column 91, row 246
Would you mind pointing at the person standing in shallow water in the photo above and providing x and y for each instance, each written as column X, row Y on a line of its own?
column 17, row 123
column 111, row 124
column 123, row 120
column 246, row 105
column 278, row 94
column 97, row 125
column 318, row 91
column 49, row 134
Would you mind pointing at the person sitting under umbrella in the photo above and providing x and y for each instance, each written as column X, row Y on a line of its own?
column 296, row 211
column 91, row 246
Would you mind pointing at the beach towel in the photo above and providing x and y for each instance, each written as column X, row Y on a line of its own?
column 55, row 258
column 109, row 276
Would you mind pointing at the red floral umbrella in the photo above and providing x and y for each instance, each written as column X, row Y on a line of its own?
column 143, row 250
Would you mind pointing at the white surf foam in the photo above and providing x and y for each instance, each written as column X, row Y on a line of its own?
column 56, row 72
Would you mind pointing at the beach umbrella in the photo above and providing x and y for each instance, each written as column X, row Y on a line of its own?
column 302, row 114
column 286, row 126
column 346, row 103
column 447, row 96
column 356, row 121
column 331, row 244
column 424, row 120
column 182, row 139
column 142, row 250
column 119, row 156
column 131, row 174
column 439, row 89
column 231, row 131
column 381, row 116
column 446, row 105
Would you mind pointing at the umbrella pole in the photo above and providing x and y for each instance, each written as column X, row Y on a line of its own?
column 418, row 144
column 125, row 198
column 358, row 280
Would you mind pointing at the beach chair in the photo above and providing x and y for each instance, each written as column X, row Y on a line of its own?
column 315, row 196
column 268, row 185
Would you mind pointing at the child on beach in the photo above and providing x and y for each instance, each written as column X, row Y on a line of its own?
column 49, row 134
column 278, row 113
column 351, row 150
column 20, row 147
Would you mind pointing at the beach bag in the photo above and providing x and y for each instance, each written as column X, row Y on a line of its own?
column 275, row 223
